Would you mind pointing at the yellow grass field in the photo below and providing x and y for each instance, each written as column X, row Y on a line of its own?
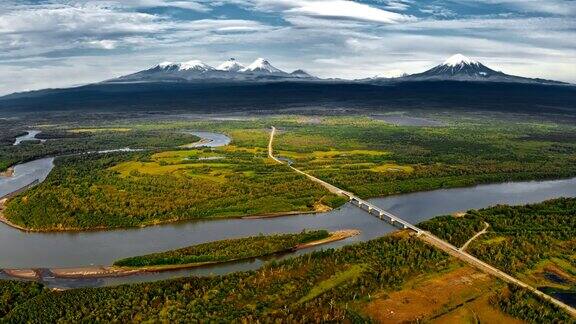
column 460, row 295
column 98, row 130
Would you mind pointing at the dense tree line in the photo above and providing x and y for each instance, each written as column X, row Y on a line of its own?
column 524, row 305
column 15, row 293
column 522, row 236
column 519, row 237
column 226, row 250
column 454, row 230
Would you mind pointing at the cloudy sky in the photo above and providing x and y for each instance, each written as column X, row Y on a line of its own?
column 55, row 43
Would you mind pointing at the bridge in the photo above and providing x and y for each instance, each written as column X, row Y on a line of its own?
column 355, row 200
column 382, row 214
column 423, row 235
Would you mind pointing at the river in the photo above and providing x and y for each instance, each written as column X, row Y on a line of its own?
column 209, row 139
column 56, row 250
column 25, row 174
column 30, row 136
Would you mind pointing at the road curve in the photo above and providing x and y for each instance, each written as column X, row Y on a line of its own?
column 486, row 225
column 437, row 242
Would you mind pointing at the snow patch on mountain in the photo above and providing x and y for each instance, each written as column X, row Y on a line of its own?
column 231, row 66
column 261, row 65
column 459, row 59
column 193, row 65
column 164, row 65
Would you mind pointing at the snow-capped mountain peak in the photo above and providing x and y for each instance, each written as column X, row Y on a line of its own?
column 193, row 65
column 164, row 65
column 459, row 59
column 231, row 66
column 261, row 65
column 461, row 68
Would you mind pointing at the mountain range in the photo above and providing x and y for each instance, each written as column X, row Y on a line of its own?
column 456, row 68
column 260, row 70
column 195, row 86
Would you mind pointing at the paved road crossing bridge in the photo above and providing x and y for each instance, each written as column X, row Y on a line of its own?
column 381, row 213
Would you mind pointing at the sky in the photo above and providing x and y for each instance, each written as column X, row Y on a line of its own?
column 60, row 43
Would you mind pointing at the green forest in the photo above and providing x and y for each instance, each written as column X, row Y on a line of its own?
column 323, row 286
column 15, row 293
column 534, row 243
column 270, row 293
column 519, row 237
column 167, row 182
column 521, row 304
column 365, row 156
column 454, row 230
column 146, row 188
column 226, row 250
column 406, row 159
column 62, row 141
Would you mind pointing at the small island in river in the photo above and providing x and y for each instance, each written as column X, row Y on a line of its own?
column 210, row 253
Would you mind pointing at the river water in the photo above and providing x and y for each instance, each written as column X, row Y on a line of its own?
column 31, row 136
column 24, row 175
column 209, row 139
column 45, row 250
column 25, row 250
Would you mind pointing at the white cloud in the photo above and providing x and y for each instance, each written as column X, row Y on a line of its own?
column 398, row 5
column 76, row 20
column 343, row 9
column 555, row 7
column 326, row 9
column 230, row 25
column 28, row 30
column 190, row 5
column 104, row 44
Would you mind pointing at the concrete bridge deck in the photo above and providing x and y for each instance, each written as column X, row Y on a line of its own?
column 381, row 213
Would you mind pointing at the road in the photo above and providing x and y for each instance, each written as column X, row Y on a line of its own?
column 437, row 242
column 331, row 188
column 486, row 225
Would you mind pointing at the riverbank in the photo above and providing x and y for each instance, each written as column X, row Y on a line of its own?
column 26, row 274
column 200, row 143
column 8, row 173
column 334, row 236
column 95, row 272
column 6, row 221
column 318, row 208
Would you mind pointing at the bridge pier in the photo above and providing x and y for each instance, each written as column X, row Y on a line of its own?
column 381, row 214
column 375, row 212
